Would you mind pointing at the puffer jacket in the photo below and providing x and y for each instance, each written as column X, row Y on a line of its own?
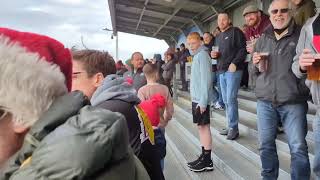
column 306, row 42
column 278, row 84
column 74, row 140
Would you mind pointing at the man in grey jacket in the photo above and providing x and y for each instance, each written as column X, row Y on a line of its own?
column 281, row 96
column 136, row 73
column 308, row 46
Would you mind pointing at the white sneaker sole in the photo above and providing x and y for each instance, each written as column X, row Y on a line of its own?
column 202, row 170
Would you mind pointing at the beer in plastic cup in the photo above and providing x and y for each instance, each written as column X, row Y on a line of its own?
column 215, row 49
column 313, row 71
column 263, row 63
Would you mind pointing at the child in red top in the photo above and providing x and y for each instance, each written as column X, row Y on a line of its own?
column 155, row 93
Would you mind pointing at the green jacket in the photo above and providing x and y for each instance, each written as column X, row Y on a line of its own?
column 304, row 11
column 74, row 140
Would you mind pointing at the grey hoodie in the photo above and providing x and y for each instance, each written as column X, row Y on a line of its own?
column 305, row 42
column 115, row 87
column 117, row 95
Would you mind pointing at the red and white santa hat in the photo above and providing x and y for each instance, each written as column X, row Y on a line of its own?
column 46, row 48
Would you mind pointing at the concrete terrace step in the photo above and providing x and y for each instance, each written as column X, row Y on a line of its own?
column 247, row 144
column 174, row 164
column 249, row 120
column 185, row 152
column 224, row 157
column 247, row 102
column 249, row 95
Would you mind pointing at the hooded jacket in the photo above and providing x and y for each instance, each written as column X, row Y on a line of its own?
column 73, row 140
column 232, row 49
column 117, row 95
column 201, row 80
column 306, row 42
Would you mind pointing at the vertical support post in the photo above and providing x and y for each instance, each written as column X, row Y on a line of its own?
column 117, row 47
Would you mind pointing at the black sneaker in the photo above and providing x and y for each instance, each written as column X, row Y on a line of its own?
column 202, row 165
column 280, row 130
column 189, row 164
column 233, row 134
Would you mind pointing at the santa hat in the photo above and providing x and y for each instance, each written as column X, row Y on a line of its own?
column 152, row 106
column 47, row 48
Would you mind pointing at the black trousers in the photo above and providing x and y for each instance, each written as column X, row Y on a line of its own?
column 151, row 160
column 245, row 75
column 183, row 76
column 167, row 82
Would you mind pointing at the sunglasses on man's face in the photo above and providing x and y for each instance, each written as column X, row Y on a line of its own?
column 282, row 11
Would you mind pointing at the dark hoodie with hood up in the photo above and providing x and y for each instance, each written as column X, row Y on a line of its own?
column 117, row 95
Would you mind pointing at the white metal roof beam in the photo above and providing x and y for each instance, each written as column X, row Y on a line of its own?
column 142, row 12
column 177, row 9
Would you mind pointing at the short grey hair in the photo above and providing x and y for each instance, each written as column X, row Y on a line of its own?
column 28, row 84
column 290, row 6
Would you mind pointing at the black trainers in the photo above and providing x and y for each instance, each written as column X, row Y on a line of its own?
column 189, row 164
column 233, row 134
column 280, row 130
column 202, row 165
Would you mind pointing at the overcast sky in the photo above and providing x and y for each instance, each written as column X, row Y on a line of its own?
column 68, row 20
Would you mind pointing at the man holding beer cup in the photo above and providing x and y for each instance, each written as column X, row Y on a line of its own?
column 306, row 65
column 230, row 52
column 281, row 96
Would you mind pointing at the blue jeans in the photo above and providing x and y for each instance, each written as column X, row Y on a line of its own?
column 216, row 88
column 160, row 143
column 294, row 121
column 316, row 131
column 230, row 83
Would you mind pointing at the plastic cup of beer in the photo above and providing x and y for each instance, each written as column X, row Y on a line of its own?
column 263, row 63
column 313, row 71
column 215, row 49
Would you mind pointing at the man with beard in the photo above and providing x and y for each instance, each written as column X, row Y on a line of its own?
column 256, row 22
column 282, row 97
column 230, row 57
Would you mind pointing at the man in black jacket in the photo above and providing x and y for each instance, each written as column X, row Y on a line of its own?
column 231, row 57
column 183, row 55
column 94, row 74
column 281, row 95
column 218, row 104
